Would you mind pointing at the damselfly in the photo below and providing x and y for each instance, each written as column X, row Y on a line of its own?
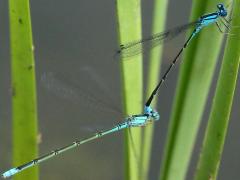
column 149, row 116
column 205, row 20
column 136, row 47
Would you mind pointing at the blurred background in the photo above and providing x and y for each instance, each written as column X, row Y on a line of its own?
column 79, row 90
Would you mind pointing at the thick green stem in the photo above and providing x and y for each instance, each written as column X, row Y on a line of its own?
column 195, row 78
column 159, row 19
column 23, row 88
column 129, row 21
column 211, row 153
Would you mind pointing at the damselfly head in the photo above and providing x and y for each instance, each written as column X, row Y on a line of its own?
column 222, row 10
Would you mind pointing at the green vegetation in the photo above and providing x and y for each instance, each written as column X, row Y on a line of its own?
column 159, row 20
column 219, row 118
column 197, row 69
column 23, row 88
column 196, row 74
column 129, row 21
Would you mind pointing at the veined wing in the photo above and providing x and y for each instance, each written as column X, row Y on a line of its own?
column 70, row 92
column 136, row 47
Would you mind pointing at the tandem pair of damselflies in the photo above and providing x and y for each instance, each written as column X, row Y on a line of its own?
column 149, row 115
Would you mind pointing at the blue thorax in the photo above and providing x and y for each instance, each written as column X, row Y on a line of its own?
column 210, row 18
column 151, row 113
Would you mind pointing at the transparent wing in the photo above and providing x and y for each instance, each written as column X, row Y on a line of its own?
column 91, row 105
column 67, row 90
column 136, row 47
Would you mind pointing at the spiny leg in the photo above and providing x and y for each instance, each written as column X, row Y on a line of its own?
column 224, row 23
column 220, row 30
column 227, row 21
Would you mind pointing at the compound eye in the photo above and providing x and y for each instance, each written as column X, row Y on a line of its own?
column 220, row 6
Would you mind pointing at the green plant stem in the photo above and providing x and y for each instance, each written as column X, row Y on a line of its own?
column 194, row 82
column 159, row 19
column 23, row 88
column 129, row 21
column 210, row 158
